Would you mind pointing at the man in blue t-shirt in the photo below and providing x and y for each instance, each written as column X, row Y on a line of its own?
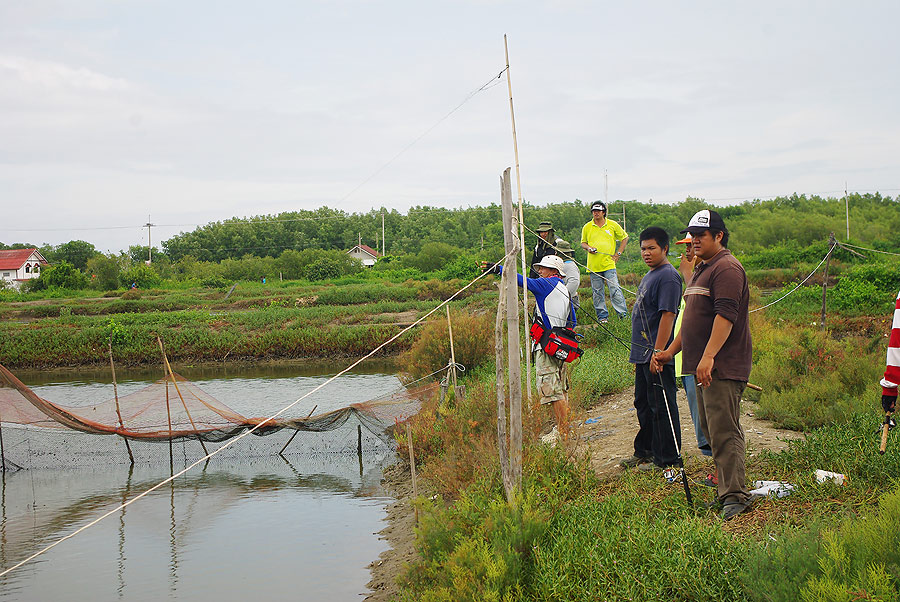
column 652, row 322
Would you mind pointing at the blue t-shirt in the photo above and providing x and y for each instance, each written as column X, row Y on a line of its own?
column 659, row 291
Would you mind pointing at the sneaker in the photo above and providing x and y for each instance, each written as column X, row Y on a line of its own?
column 623, row 316
column 711, row 481
column 551, row 438
column 604, row 321
column 634, row 461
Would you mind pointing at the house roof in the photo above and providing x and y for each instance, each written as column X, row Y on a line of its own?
column 367, row 249
column 13, row 259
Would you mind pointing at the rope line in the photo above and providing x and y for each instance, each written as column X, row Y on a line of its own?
column 242, row 435
column 487, row 85
column 844, row 244
column 816, row 269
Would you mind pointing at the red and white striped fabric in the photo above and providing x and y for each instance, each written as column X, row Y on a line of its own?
column 892, row 372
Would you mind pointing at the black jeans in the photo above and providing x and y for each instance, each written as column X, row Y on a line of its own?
column 651, row 394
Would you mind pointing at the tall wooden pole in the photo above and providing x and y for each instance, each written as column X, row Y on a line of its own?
column 452, row 354
column 512, row 115
column 513, row 342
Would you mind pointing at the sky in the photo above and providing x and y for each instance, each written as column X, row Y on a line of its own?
column 114, row 112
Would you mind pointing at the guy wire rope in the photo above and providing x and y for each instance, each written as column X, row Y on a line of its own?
column 230, row 442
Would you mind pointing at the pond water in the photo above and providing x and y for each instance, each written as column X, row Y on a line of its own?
column 296, row 527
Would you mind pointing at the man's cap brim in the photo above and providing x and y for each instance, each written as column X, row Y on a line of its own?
column 695, row 230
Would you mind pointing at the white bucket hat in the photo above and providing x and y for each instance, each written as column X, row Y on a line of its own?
column 553, row 262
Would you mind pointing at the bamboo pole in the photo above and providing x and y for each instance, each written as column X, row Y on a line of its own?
column 112, row 367
column 513, row 342
column 2, row 452
column 512, row 114
column 452, row 355
column 177, row 390
column 169, row 417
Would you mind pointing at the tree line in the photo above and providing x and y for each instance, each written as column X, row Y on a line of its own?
column 313, row 244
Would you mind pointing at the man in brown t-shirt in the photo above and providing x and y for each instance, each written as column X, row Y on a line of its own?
column 716, row 347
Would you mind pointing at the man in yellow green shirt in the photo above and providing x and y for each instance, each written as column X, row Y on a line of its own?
column 599, row 238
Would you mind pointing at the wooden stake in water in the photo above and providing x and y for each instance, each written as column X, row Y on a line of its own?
column 295, row 432
column 180, row 396
column 112, row 367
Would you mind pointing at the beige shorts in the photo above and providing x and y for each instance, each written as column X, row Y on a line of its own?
column 552, row 380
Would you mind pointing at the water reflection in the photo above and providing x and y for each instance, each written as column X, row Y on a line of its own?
column 296, row 527
column 275, row 527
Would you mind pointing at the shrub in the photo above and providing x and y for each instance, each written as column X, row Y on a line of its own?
column 810, row 379
column 142, row 275
column 473, row 342
column 131, row 294
column 62, row 275
column 323, row 269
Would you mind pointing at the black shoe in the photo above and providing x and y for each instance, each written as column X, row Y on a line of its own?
column 732, row 509
column 634, row 461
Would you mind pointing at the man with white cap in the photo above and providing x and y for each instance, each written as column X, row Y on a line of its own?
column 717, row 348
column 555, row 309
column 599, row 237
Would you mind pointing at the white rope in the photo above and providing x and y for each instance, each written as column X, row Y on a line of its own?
column 242, row 435
column 843, row 244
column 816, row 269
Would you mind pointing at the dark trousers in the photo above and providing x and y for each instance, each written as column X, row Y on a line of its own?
column 720, row 411
column 654, row 438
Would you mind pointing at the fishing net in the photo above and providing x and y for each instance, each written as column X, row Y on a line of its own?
column 173, row 420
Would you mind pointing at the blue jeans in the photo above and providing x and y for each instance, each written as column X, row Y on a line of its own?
column 690, row 391
column 608, row 277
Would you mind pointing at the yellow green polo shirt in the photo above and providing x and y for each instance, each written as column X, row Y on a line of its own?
column 604, row 239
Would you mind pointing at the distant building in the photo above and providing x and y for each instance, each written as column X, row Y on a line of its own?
column 19, row 265
column 366, row 254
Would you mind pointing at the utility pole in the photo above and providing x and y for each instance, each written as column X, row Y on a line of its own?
column 847, row 208
column 148, row 225
column 383, row 246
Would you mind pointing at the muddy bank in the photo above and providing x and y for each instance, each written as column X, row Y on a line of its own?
column 399, row 534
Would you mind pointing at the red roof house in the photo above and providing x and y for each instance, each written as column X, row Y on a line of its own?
column 366, row 254
column 17, row 265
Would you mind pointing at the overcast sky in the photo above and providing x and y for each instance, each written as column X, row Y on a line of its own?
column 200, row 111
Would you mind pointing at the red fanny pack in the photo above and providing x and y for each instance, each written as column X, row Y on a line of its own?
column 559, row 342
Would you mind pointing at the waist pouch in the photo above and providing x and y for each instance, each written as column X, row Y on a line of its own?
column 559, row 342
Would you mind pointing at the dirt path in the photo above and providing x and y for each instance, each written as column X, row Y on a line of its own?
column 610, row 435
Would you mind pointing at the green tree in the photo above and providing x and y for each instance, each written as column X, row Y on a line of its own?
column 75, row 252
column 142, row 275
column 103, row 271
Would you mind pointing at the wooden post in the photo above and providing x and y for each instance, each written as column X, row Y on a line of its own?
column 2, row 453
column 412, row 465
column 831, row 243
column 500, row 363
column 169, row 416
column 456, row 391
column 359, row 447
column 180, row 396
column 520, row 219
column 112, row 367
column 295, row 433
column 513, row 342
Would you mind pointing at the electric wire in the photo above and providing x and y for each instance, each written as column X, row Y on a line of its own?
column 242, row 435
column 844, row 244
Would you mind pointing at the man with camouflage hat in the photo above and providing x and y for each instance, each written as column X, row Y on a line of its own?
column 544, row 246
